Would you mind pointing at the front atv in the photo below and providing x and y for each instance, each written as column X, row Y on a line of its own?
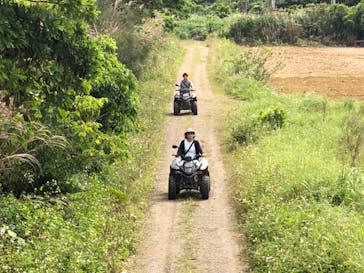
column 189, row 174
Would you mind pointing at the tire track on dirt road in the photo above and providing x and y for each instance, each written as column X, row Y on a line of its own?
column 212, row 239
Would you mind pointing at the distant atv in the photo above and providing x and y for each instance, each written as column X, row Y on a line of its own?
column 184, row 100
column 188, row 173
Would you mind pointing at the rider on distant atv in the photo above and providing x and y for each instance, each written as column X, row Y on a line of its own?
column 184, row 99
column 185, row 85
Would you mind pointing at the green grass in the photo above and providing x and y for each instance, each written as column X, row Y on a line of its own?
column 299, row 201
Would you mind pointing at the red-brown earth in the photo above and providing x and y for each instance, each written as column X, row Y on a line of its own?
column 335, row 72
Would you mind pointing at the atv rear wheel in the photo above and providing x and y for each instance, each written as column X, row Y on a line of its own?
column 176, row 109
column 172, row 188
column 194, row 107
column 205, row 187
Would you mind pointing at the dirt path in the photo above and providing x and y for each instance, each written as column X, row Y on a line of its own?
column 190, row 234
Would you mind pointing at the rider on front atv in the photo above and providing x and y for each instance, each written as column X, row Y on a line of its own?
column 189, row 170
column 189, row 146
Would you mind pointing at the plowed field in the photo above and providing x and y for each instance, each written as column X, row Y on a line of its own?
column 335, row 72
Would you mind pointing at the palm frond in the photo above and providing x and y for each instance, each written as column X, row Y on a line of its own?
column 25, row 157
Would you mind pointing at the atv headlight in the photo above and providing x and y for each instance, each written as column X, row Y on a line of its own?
column 189, row 164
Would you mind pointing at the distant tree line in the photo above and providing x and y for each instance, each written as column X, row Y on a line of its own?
column 327, row 24
column 304, row 3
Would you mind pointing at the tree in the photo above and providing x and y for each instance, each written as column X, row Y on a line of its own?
column 52, row 71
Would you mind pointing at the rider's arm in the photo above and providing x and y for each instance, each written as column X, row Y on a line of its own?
column 181, row 149
column 192, row 87
column 178, row 86
column 198, row 148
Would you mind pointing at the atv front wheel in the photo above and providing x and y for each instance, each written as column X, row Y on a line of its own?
column 205, row 187
column 176, row 109
column 172, row 188
column 194, row 107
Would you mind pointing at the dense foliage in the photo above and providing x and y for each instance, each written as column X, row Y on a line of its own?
column 199, row 27
column 297, row 176
column 327, row 24
column 73, row 219
column 77, row 159
column 303, row 3
column 96, row 228
column 53, row 72
column 321, row 23
column 135, row 33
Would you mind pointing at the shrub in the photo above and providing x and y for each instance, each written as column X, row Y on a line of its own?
column 118, row 85
column 273, row 118
column 246, row 132
column 255, row 124
column 200, row 27
column 222, row 10
column 249, row 64
column 242, row 74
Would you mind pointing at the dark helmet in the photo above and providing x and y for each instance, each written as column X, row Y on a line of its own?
column 185, row 74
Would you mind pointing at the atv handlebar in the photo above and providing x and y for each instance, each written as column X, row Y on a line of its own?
column 175, row 155
column 174, row 146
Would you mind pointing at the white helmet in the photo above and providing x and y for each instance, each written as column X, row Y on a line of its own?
column 189, row 130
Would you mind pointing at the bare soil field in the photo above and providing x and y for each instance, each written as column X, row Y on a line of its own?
column 335, row 72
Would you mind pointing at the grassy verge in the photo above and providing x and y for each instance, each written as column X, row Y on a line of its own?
column 297, row 175
column 96, row 228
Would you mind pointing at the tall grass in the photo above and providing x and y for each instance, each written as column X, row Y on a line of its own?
column 243, row 73
column 21, row 145
column 299, row 203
